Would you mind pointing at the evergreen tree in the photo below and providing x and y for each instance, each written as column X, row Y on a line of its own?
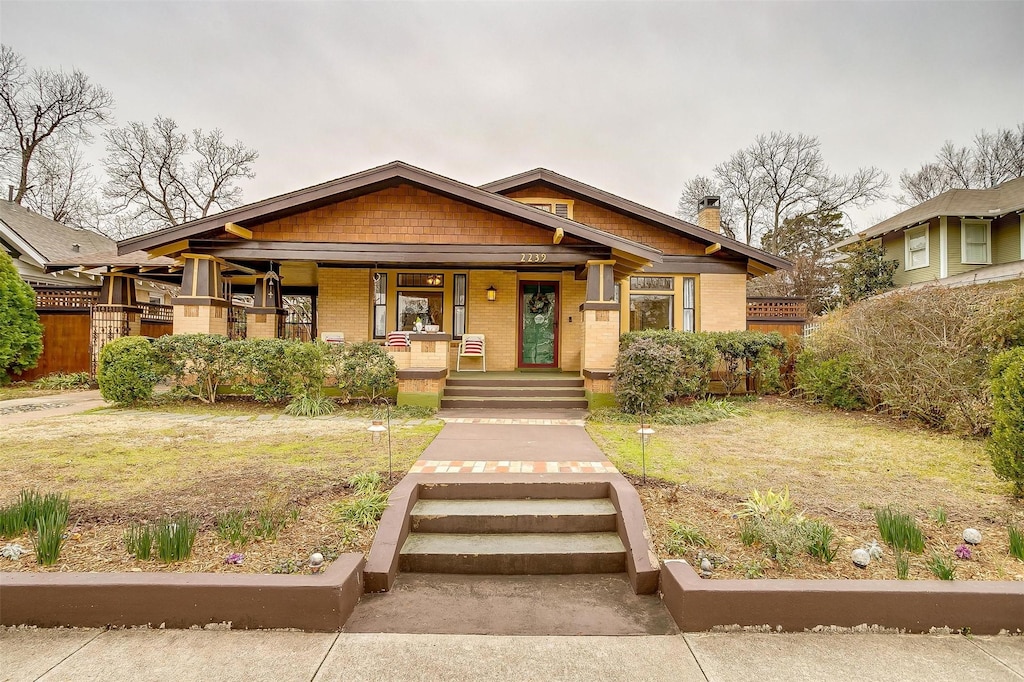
column 866, row 272
column 21, row 334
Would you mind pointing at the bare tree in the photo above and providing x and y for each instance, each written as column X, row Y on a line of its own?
column 161, row 176
column 702, row 186
column 993, row 159
column 40, row 106
column 62, row 186
column 783, row 177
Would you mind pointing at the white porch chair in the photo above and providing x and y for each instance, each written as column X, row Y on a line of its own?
column 472, row 346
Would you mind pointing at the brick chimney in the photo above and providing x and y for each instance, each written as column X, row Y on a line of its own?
column 709, row 213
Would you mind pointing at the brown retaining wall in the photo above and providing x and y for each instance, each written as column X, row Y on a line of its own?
column 982, row 607
column 318, row 603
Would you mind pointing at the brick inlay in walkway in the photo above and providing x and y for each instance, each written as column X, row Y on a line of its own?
column 444, row 466
column 494, row 420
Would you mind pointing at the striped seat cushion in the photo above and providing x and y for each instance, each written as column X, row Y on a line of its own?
column 400, row 339
column 473, row 347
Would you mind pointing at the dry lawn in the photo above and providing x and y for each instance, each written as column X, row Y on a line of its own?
column 838, row 467
column 123, row 467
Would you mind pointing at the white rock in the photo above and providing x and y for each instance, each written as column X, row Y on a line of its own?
column 874, row 551
column 972, row 536
column 316, row 559
column 705, row 565
column 861, row 558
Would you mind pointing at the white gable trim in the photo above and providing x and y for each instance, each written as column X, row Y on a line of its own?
column 26, row 249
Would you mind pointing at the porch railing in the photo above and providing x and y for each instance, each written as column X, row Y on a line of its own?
column 66, row 299
column 155, row 312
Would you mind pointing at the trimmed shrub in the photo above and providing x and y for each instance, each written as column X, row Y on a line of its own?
column 309, row 363
column 128, row 370
column 198, row 363
column 21, row 334
column 262, row 366
column 828, row 381
column 1006, row 447
column 645, row 373
column 697, row 358
column 363, row 370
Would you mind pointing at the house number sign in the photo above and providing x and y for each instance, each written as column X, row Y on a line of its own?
column 533, row 257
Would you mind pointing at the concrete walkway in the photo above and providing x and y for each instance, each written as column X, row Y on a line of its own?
column 21, row 410
column 179, row 655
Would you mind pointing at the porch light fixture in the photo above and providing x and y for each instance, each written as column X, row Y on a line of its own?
column 492, row 294
column 645, row 432
column 377, row 430
column 433, row 280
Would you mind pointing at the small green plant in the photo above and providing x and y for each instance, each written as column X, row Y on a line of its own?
column 1016, row 542
column 231, row 527
column 828, row 381
column 939, row 516
column 899, row 530
column 367, row 482
column 753, row 569
column 138, row 540
column 942, row 567
column 12, row 521
column 902, row 564
column 174, row 538
column 128, row 370
column 311, row 406
column 364, row 510
column 49, row 538
column 61, row 381
column 21, row 517
column 286, row 566
column 750, row 532
column 769, row 505
column 683, row 537
column 821, row 541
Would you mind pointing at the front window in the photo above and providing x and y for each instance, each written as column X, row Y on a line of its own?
column 917, row 247
column 976, row 242
column 650, row 311
column 689, row 304
column 425, row 306
column 380, row 308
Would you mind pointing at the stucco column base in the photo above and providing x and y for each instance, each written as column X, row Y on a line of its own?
column 200, row 316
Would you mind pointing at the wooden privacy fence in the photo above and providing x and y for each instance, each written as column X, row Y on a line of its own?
column 783, row 315
column 68, row 333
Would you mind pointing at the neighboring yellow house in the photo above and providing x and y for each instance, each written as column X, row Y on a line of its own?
column 963, row 236
column 549, row 270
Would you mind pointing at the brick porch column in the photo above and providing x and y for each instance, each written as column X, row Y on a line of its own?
column 263, row 320
column 201, row 306
column 600, row 333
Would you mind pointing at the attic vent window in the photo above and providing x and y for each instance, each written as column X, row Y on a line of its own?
column 76, row 247
column 560, row 207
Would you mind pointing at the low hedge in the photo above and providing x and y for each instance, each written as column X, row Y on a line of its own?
column 694, row 357
column 270, row 370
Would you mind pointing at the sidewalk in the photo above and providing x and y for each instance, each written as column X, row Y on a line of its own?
column 21, row 410
column 277, row 656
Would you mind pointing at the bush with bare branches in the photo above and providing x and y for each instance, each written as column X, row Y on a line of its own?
column 925, row 353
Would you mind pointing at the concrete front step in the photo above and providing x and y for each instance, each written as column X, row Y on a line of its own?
column 509, row 382
column 513, row 392
column 513, row 553
column 470, row 403
column 514, row 516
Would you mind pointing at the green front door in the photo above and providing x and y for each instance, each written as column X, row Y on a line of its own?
column 538, row 324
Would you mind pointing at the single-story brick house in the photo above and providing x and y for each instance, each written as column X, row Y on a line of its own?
column 548, row 269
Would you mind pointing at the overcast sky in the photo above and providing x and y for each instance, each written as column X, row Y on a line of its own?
column 632, row 97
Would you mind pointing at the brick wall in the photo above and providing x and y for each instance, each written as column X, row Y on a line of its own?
column 343, row 302
column 200, row 319
column 723, row 302
column 403, row 215
column 495, row 320
column 573, row 292
column 600, row 338
column 603, row 219
column 261, row 326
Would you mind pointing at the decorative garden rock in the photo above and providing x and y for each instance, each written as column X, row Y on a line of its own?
column 972, row 536
column 874, row 550
column 706, row 566
column 316, row 562
column 861, row 558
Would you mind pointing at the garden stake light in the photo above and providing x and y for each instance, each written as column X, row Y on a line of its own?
column 645, row 432
column 377, row 429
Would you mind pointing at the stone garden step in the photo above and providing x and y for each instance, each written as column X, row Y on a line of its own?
column 514, row 516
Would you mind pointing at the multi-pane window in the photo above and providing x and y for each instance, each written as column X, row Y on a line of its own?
column 458, row 305
column 651, row 310
column 380, row 307
column 917, row 247
column 976, row 242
